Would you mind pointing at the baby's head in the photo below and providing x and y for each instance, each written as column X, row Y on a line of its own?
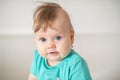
column 53, row 30
column 46, row 14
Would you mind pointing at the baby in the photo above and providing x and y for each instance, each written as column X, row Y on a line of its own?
column 54, row 58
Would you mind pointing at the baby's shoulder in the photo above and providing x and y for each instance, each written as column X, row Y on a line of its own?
column 36, row 54
column 75, row 61
column 75, row 57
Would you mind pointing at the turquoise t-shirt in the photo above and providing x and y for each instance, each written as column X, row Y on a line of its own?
column 73, row 67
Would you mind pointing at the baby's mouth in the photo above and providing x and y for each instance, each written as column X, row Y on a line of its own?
column 53, row 53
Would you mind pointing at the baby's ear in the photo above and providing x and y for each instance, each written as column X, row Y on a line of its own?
column 72, row 37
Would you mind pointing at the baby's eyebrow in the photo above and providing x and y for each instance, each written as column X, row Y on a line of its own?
column 41, row 35
column 60, row 33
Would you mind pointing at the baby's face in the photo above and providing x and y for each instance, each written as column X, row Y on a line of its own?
column 54, row 44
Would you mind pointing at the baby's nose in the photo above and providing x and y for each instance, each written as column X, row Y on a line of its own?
column 51, row 45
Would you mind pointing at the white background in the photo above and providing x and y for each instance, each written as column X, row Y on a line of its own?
column 87, row 16
column 97, row 39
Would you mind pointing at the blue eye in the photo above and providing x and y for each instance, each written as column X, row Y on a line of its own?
column 58, row 37
column 42, row 39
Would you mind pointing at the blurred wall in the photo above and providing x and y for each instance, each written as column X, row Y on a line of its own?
column 97, row 39
column 87, row 16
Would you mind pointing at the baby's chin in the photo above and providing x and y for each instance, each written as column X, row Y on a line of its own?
column 55, row 58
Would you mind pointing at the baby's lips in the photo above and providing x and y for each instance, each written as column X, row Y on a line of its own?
column 53, row 52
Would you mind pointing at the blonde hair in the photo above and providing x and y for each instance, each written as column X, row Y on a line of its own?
column 46, row 14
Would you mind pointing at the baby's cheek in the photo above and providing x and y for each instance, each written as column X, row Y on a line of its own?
column 66, row 48
column 43, row 54
column 41, row 50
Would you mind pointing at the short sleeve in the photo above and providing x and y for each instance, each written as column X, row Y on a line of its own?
column 80, row 71
column 33, row 68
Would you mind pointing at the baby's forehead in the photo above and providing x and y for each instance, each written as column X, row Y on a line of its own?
column 59, row 30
